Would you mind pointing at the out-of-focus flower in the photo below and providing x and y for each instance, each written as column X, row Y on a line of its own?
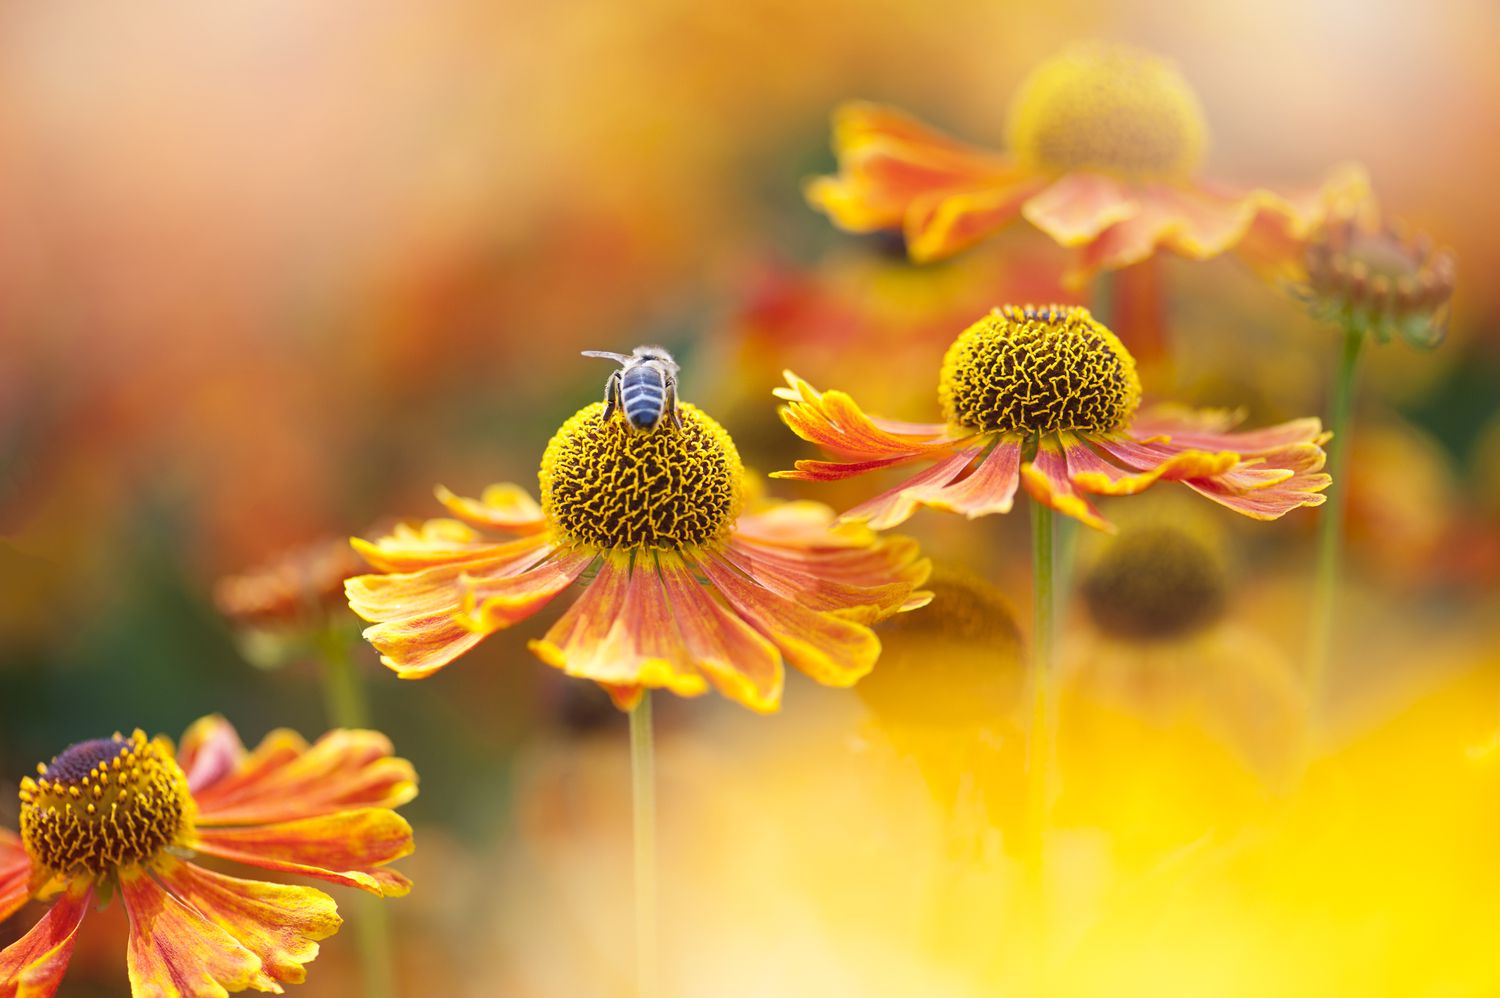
column 1381, row 279
column 1404, row 504
column 692, row 583
column 123, row 814
column 1105, row 145
column 1048, row 398
column 1163, row 646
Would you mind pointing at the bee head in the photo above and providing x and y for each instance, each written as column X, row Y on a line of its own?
column 658, row 354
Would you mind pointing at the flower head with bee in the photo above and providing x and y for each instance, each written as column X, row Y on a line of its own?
column 692, row 580
column 1105, row 147
column 1049, row 398
column 127, row 814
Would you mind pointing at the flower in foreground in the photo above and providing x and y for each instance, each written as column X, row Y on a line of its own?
column 127, row 815
column 1048, row 398
column 689, row 582
column 1105, row 144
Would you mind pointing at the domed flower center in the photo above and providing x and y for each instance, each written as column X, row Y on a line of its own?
column 1108, row 108
column 606, row 484
column 104, row 804
column 1039, row 370
column 1155, row 583
column 1382, row 274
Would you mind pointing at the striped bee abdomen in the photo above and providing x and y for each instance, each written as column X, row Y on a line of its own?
column 643, row 395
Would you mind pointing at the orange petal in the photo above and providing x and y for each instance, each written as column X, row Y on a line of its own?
column 835, row 422
column 1075, row 208
column 833, row 651
column 495, row 602
column 1046, row 480
column 743, row 666
column 942, row 223
column 1149, row 463
column 435, row 587
column 989, row 488
column 15, row 874
column 33, row 966
column 417, row 647
column 504, row 507
column 436, row 542
column 347, row 847
column 343, row 769
column 175, row 951
column 866, row 588
column 886, row 160
column 895, row 506
column 1274, row 245
column 279, row 923
column 210, row 750
column 623, row 632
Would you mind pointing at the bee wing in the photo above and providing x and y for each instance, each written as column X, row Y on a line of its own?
column 608, row 355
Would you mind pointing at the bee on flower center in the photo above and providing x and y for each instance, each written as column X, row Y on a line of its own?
column 1037, row 371
column 644, row 388
column 104, row 804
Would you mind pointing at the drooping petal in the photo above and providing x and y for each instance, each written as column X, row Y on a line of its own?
column 280, row 923
column 742, row 665
column 1076, row 207
column 495, row 602
column 343, row 769
column 15, row 874
column 434, row 587
column 830, row 649
column 1212, row 430
column 504, row 507
column 416, row 647
column 174, row 951
column 346, row 847
column 210, row 750
column 895, row 506
column 835, row 422
column 887, row 159
column 941, row 223
column 1047, row 481
column 1304, row 487
column 989, row 488
column 33, row 966
column 410, row 548
column 1143, row 465
column 623, row 631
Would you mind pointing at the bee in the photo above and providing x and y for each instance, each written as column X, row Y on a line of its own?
column 644, row 388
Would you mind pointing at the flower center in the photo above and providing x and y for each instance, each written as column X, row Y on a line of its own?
column 1109, row 108
column 606, row 484
column 1039, row 370
column 104, row 804
column 1383, row 276
column 1155, row 583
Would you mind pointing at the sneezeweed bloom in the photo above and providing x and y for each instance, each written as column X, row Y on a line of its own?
column 1105, row 148
column 128, row 816
column 1049, row 398
column 690, row 582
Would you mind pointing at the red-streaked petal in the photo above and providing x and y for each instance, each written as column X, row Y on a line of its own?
column 15, row 874
column 1076, row 207
column 492, row 603
column 895, row 506
column 1150, row 464
column 505, row 507
column 175, row 951
column 348, row 847
column 1269, row 503
column 626, row 635
column 939, row 224
column 210, row 750
column 886, row 160
column 832, row 650
column 742, row 665
column 383, row 597
column 33, row 966
column 279, row 923
column 989, row 488
column 867, row 602
column 835, row 422
column 1210, row 433
column 417, row 647
column 1046, row 480
column 343, row 769
column 410, row 548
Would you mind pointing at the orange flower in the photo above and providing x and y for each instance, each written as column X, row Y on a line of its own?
column 1048, row 398
column 692, row 583
column 1105, row 144
column 123, row 814
column 295, row 589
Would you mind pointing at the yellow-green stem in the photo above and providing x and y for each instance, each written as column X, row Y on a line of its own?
column 1331, row 522
column 345, row 704
column 643, row 800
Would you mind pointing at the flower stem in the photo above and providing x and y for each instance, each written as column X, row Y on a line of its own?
column 1331, row 524
column 1041, row 749
column 643, row 799
column 345, row 704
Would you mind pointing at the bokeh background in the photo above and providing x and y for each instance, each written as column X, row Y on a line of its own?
column 269, row 270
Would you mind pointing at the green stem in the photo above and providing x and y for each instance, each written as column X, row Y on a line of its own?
column 1331, row 523
column 643, row 799
column 345, row 704
column 1041, row 749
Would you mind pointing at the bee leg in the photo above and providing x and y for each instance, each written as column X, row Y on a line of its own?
column 611, row 395
column 672, row 402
